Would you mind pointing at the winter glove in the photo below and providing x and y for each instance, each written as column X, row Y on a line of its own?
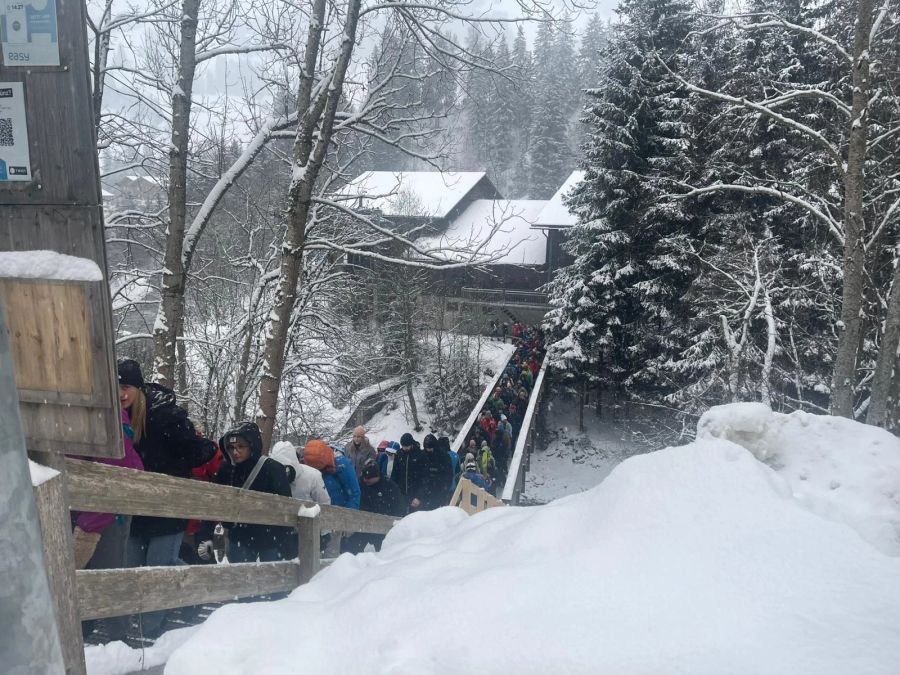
column 85, row 545
column 205, row 550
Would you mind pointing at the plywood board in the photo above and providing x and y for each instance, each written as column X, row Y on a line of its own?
column 49, row 335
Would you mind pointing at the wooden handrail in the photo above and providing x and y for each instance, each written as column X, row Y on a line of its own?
column 473, row 416
column 111, row 489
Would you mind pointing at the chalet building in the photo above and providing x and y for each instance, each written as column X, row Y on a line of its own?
column 134, row 191
column 432, row 199
column 553, row 220
column 518, row 242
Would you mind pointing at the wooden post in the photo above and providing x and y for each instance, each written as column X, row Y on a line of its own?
column 308, row 533
column 59, row 559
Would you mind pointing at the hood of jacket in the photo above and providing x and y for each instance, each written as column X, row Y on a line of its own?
column 250, row 433
column 158, row 397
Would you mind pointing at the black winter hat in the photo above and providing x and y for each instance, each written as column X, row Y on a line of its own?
column 406, row 440
column 430, row 441
column 371, row 470
column 130, row 373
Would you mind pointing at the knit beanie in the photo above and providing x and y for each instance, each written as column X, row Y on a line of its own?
column 130, row 373
column 406, row 440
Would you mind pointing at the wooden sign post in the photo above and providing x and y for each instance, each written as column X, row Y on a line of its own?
column 59, row 324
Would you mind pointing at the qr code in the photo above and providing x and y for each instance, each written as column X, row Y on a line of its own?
column 6, row 132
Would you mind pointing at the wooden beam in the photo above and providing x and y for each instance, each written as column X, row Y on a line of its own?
column 110, row 489
column 59, row 556
column 352, row 520
column 107, row 593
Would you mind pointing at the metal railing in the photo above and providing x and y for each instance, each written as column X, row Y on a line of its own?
column 503, row 296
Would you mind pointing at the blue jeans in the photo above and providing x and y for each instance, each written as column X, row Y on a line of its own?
column 153, row 551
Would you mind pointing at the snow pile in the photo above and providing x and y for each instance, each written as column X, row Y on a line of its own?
column 839, row 469
column 117, row 658
column 48, row 265
column 692, row 560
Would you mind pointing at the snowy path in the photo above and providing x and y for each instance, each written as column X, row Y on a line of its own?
column 575, row 461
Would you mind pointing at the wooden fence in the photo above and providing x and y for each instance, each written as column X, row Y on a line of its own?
column 515, row 479
column 471, row 498
column 93, row 594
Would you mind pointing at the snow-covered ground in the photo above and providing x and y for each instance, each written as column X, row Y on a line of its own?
column 117, row 658
column 697, row 559
column 570, row 460
column 395, row 418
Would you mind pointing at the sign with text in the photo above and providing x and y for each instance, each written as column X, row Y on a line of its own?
column 15, row 164
column 28, row 32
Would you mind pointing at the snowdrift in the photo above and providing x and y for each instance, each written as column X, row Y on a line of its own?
column 697, row 559
column 839, row 469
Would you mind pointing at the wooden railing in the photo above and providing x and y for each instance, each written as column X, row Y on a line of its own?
column 515, row 479
column 92, row 594
column 471, row 498
column 472, row 420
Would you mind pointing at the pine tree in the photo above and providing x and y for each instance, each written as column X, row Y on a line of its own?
column 618, row 308
column 550, row 155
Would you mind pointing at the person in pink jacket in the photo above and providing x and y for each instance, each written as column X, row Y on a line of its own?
column 89, row 526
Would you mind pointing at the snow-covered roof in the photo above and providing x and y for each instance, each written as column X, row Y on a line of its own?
column 142, row 179
column 500, row 230
column 555, row 213
column 411, row 193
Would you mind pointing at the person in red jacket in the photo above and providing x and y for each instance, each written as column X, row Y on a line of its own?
column 488, row 425
column 205, row 473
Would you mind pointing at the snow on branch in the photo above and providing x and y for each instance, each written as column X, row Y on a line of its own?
column 776, row 21
column 250, row 49
column 811, row 133
column 218, row 191
column 834, row 226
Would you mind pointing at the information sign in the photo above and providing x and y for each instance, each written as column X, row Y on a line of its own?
column 15, row 163
column 28, row 32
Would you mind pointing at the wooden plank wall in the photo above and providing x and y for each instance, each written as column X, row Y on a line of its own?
column 60, row 210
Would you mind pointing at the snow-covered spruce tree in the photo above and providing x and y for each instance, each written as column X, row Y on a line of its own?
column 617, row 309
column 521, row 103
column 550, row 155
column 852, row 197
column 784, row 342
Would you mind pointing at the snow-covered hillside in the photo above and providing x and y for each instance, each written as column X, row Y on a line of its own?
column 698, row 559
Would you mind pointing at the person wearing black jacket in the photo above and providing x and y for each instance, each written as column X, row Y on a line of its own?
column 246, row 467
column 167, row 443
column 437, row 475
column 378, row 495
column 407, row 472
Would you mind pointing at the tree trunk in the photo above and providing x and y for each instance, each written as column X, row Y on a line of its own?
column 307, row 160
column 170, row 316
column 881, row 403
column 412, row 404
column 844, row 376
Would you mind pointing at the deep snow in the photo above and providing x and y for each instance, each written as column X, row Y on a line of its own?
column 698, row 559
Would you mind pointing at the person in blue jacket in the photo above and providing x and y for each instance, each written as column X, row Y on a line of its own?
column 472, row 473
column 337, row 473
column 444, row 446
column 385, row 460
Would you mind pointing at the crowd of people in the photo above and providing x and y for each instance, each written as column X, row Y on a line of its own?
column 394, row 478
